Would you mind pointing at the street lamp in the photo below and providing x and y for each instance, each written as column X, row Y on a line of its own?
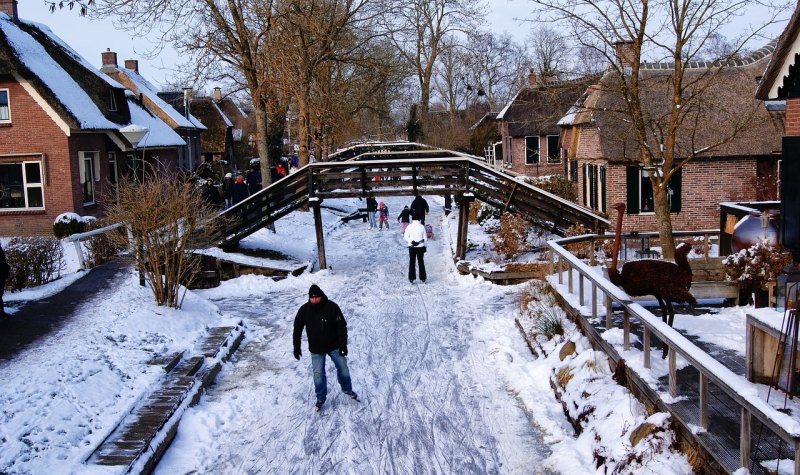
column 134, row 134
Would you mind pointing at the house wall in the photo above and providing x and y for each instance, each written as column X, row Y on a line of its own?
column 540, row 169
column 792, row 121
column 33, row 131
column 705, row 184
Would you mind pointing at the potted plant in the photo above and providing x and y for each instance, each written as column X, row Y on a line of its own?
column 754, row 267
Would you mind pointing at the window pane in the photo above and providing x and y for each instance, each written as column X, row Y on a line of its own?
column 32, row 174
column 646, row 194
column 3, row 105
column 531, row 150
column 35, row 197
column 553, row 155
column 112, row 171
column 11, row 186
column 88, row 176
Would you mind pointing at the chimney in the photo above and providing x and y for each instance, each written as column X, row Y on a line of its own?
column 9, row 7
column 532, row 79
column 109, row 60
column 217, row 94
column 132, row 64
column 625, row 53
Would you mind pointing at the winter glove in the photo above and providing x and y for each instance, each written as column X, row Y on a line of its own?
column 343, row 351
column 297, row 354
column 414, row 243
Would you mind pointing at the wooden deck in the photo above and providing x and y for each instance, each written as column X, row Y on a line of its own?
column 141, row 438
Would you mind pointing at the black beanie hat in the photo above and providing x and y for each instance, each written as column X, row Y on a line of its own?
column 315, row 291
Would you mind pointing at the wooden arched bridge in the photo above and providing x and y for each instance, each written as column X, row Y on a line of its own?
column 398, row 170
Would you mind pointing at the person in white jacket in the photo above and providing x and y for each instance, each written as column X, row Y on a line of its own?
column 415, row 237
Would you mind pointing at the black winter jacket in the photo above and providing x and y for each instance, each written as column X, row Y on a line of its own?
column 325, row 326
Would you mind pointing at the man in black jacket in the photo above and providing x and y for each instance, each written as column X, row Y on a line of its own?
column 419, row 208
column 326, row 330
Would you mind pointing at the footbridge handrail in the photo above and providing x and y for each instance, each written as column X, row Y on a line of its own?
column 452, row 175
column 743, row 392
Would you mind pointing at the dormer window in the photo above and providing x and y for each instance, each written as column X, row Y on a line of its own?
column 5, row 110
column 112, row 102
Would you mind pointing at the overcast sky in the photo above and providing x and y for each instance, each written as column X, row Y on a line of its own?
column 91, row 37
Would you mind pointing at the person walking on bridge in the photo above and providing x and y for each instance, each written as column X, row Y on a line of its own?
column 415, row 237
column 326, row 330
column 419, row 208
column 239, row 191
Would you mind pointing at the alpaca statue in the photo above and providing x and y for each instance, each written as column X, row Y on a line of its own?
column 666, row 281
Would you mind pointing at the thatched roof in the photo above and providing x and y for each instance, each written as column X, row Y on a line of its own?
column 71, row 86
column 536, row 109
column 725, row 111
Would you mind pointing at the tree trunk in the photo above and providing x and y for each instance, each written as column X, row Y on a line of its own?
column 302, row 133
column 277, row 125
column 261, row 141
column 663, row 219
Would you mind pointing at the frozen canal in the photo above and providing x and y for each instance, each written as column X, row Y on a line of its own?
column 433, row 365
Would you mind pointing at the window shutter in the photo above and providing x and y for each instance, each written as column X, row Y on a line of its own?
column 81, row 168
column 602, row 207
column 585, row 185
column 632, row 175
column 675, row 185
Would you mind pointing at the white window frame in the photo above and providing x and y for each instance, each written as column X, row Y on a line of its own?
column 27, row 186
column 112, row 101
column 93, row 159
column 8, row 108
column 538, row 150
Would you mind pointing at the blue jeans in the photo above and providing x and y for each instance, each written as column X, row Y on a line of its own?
column 321, row 381
column 372, row 219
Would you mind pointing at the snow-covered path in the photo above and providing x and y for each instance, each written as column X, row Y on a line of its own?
column 430, row 363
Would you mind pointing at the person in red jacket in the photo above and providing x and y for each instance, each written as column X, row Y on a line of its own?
column 326, row 330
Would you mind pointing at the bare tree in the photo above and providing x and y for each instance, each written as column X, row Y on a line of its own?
column 224, row 34
column 549, row 50
column 166, row 222
column 498, row 65
column 419, row 28
column 315, row 37
column 664, row 113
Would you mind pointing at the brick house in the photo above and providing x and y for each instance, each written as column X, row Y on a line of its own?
column 529, row 129
column 188, row 127
column 602, row 153
column 60, row 121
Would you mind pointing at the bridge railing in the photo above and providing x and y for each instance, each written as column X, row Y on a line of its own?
column 741, row 391
column 268, row 205
column 448, row 175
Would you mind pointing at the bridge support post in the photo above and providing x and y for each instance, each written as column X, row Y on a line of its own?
column 463, row 222
column 315, row 203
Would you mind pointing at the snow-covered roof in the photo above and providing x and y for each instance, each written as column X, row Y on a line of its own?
column 222, row 114
column 501, row 114
column 33, row 56
column 144, row 87
column 160, row 134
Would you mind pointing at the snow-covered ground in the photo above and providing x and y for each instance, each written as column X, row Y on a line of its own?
column 447, row 383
